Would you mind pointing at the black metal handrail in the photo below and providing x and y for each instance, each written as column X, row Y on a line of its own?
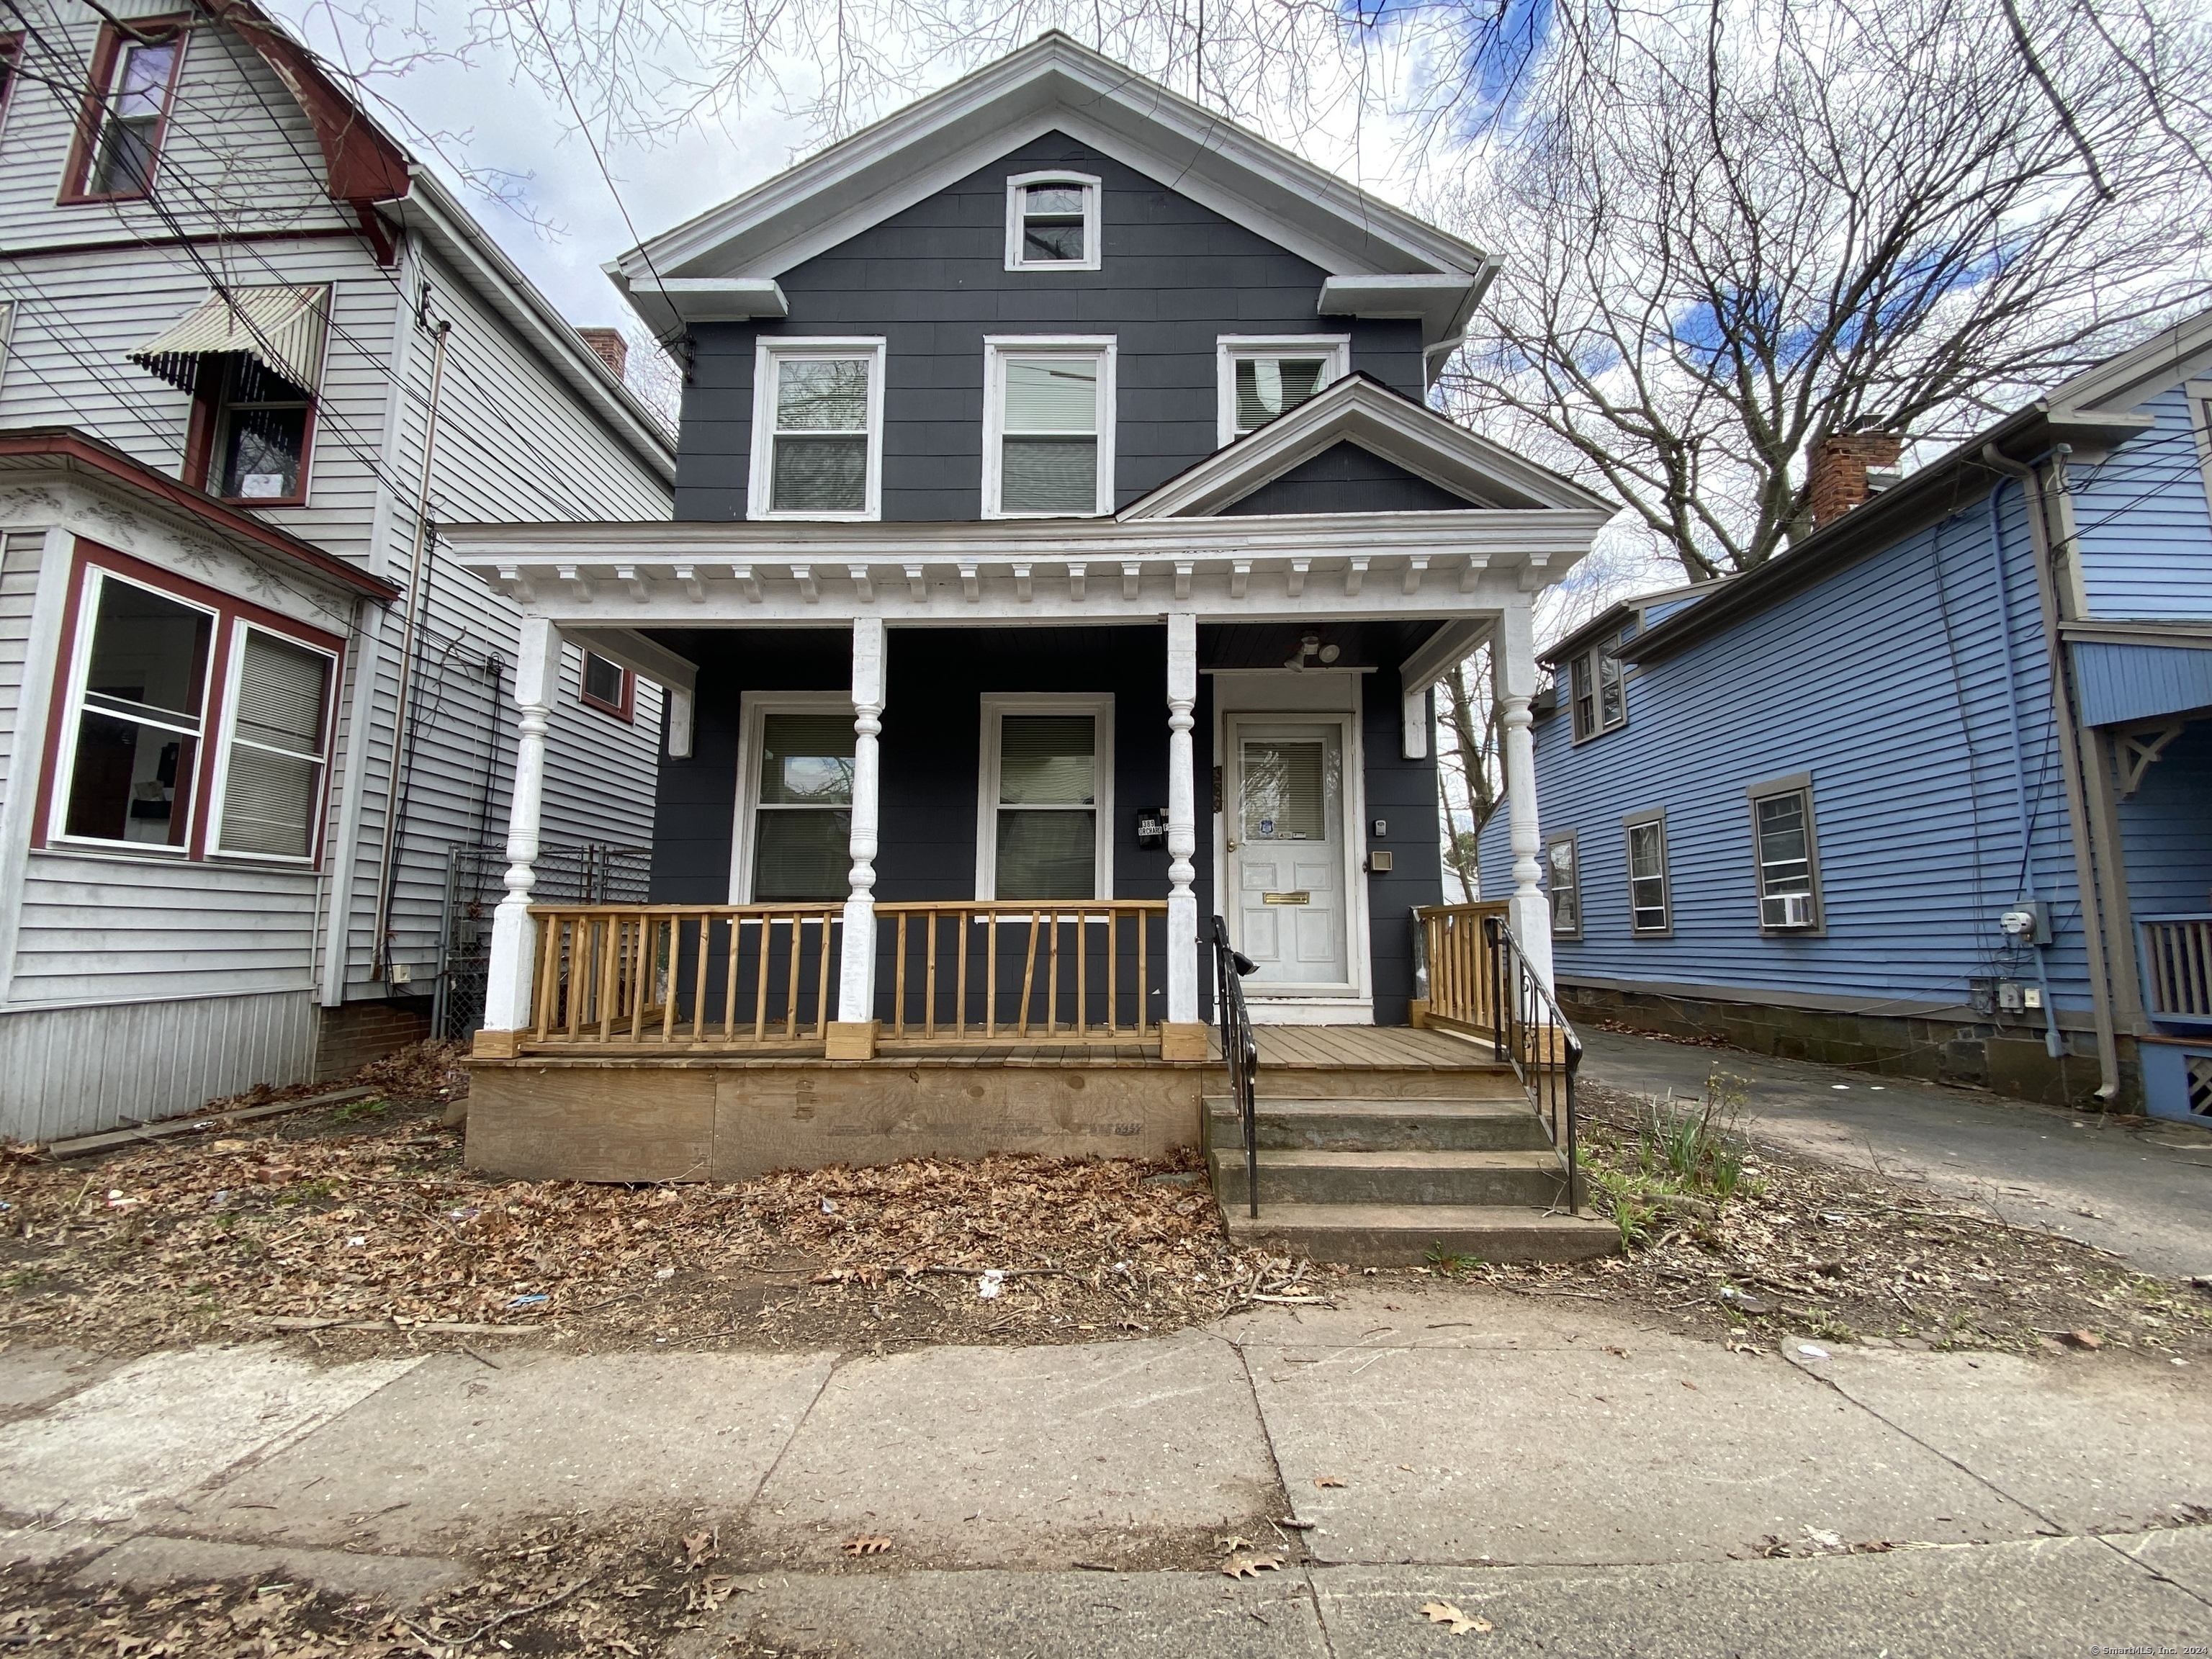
column 1527, row 1029
column 1240, row 1048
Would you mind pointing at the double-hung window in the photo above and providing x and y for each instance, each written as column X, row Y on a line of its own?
column 261, row 430
column 1046, row 798
column 1600, row 694
column 159, row 666
column 1786, row 854
column 1564, row 884
column 818, row 429
column 134, row 78
column 1260, row 377
column 1648, row 910
column 1047, row 426
column 1052, row 221
column 796, row 841
column 252, row 360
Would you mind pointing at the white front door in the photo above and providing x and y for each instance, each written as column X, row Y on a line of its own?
column 1285, row 838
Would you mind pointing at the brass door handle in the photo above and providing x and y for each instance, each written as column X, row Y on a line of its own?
column 1232, row 846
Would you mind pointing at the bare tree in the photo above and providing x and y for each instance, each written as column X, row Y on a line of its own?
column 1743, row 230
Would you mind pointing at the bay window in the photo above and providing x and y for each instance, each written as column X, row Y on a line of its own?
column 159, row 666
column 1047, row 426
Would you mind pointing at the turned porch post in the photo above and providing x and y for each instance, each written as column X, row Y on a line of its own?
column 510, row 978
column 1182, row 1036
column 1515, row 649
column 853, row 1034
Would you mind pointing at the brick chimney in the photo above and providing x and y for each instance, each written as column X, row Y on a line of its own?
column 1837, row 474
column 612, row 348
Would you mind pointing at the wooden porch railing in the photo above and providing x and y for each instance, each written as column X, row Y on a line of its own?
column 721, row 974
column 2177, row 956
column 1068, row 972
column 1461, row 965
column 753, row 977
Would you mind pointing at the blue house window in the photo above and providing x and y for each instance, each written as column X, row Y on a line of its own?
column 1562, row 885
column 1787, row 852
column 1601, row 698
column 1648, row 909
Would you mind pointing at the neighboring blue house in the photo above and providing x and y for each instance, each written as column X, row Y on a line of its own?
column 1931, row 793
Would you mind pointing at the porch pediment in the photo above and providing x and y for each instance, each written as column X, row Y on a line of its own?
column 1361, row 412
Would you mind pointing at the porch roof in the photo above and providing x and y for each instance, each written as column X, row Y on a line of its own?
column 1257, row 569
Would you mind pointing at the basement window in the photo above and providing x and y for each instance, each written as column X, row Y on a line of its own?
column 1052, row 221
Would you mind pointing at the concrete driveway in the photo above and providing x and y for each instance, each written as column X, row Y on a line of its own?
column 2143, row 1190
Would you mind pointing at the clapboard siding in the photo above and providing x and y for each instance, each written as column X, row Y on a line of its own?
column 21, row 556
column 1885, row 682
column 933, row 280
column 77, row 1070
column 2166, row 827
column 1345, row 478
column 1403, row 793
column 2141, row 521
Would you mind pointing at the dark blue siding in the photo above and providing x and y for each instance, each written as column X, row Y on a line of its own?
column 932, row 280
column 1345, row 478
column 1403, row 794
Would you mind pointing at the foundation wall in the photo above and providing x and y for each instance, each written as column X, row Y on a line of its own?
column 2004, row 1057
column 614, row 1121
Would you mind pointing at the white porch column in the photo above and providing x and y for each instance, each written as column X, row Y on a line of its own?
column 1515, row 644
column 1182, row 1036
column 512, row 972
column 853, row 1034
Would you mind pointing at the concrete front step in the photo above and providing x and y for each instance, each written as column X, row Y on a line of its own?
column 1473, row 1082
column 1291, row 1177
column 1388, row 1235
column 1409, row 1125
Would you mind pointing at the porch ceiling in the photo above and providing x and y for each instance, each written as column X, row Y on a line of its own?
column 1291, row 568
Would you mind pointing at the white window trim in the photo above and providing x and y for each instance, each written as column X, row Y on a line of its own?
column 233, row 671
column 1091, row 193
column 997, row 348
column 995, row 707
column 760, row 479
column 753, row 710
column 1229, row 349
column 73, row 721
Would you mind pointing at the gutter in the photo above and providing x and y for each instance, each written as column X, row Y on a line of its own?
column 2069, row 757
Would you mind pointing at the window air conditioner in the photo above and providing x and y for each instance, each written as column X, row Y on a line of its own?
column 1797, row 910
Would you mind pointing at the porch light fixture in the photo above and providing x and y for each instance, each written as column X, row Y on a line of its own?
column 1311, row 646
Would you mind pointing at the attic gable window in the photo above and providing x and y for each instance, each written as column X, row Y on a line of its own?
column 818, row 429
column 1047, row 426
column 127, row 111
column 1052, row 221
column 1261, row 377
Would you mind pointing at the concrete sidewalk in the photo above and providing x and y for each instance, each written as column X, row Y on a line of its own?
column 2143, row 1190
column 1580, row 1483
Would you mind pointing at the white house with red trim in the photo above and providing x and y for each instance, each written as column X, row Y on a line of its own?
column 254, row 356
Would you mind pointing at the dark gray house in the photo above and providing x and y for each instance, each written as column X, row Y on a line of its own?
column 1064, row 552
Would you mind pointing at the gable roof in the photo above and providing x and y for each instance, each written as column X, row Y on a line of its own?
column 1360, row 409
column 723, row 263
column 2091, row 410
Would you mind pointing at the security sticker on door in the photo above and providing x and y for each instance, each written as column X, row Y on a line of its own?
column 1267, row 826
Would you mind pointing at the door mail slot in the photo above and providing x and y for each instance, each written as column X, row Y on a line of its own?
column 1299, row 897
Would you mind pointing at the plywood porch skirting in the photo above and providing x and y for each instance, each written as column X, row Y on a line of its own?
column 621, row 1119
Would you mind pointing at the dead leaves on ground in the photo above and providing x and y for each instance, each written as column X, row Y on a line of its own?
column 1251, row 1566
column 1327, row 1480
column 1443, row 1613
column 866, row 1545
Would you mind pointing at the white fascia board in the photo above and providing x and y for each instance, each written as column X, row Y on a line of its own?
column 432, row 213
column 667, row 304
column 1440, row 302
column 1360, row 411
column 1452, row 643
column 630, row 649
column 1054, row 83
column 2141, row 373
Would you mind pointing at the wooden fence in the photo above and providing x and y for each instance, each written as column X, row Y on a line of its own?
column 1462, row 974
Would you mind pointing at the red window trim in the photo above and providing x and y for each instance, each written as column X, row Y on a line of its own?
column 200, row 428
column 624, row 710
column 89, row 555
column 76, row 180
column 11, row 52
